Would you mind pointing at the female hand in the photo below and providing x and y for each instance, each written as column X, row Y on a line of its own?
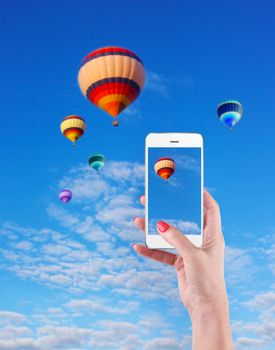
column 200, row 271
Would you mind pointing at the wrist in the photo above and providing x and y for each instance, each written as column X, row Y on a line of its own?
column 211, row 325
column 217, row 307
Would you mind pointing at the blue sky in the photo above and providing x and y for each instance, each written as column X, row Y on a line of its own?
column 69, row 278
column 178, row 199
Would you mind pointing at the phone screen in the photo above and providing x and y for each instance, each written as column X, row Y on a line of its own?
column 174, row 188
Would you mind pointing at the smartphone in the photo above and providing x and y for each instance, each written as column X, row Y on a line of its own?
column 174, row 186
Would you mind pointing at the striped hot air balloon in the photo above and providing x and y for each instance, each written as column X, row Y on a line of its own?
column 73, row 127
column 65, row 196
column 230, row 112
column 111, row 78
column 97, row 161
column 165, row 167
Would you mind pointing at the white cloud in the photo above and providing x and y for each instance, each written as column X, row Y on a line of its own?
column 62, row 215
column 66, row 264
column 85, row 184
column 244, row 342
column 131, row 111
column 187, row 163
column 97, row 234
column 122, row 172
column 23, row 245
column 261, row 332
column 262, row 301
column 163, row 344
column 119, row 215
column 238, row 265
column 10, row 316
column 12, row 332
column 97, row 305
column 100, row 334
column 270, row 252
column 116, row 189
column 187, row 227
column 157, row 83
column 63, row 336
column 91, row 257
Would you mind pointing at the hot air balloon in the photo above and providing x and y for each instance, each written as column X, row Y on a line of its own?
column 97, row 161
column 73, row 127
column 111, row 78
column 230, row 112
column 65, row 196
column 165, row 167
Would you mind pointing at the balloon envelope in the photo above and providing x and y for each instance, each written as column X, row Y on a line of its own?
column 165, row 167
column 111, row 78
column 97, row 161
column 230, row 112
column 65, row 196
column 73, row 127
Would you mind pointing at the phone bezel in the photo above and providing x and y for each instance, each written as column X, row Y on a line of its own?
column 183, row 140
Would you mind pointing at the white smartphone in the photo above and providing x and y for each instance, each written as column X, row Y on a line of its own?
column 174, row 186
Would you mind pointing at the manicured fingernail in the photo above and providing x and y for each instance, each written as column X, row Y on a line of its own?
column 133, row 245
column 141, row 197
column 134, row 219
column 162, row 226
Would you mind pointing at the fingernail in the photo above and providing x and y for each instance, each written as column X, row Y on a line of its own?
column 141, row 197
column 134, row 219
column 162, row 226
column 133, row 244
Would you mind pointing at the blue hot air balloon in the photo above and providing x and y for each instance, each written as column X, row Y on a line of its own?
column 96, row 161
column 230, row 112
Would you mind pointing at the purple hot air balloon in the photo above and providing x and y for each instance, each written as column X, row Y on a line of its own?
column 65, row 196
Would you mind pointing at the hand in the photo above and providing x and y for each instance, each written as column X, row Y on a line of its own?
column 200, row 271
column 200, row 274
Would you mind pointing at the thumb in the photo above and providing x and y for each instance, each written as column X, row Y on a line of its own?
column 176, row 238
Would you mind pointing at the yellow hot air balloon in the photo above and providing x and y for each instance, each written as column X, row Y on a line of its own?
column 111, row 78
column 73, row 127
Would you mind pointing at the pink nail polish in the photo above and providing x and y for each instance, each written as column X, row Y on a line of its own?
column 162, row 226
column 134, row 219
column 141, row 197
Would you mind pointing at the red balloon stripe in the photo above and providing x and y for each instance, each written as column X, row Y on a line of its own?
column 111, row 51
column 73, row 130
column 170, row 171
column 111, row 89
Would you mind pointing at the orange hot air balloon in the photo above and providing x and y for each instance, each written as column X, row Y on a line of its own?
column 165, row 167
column 111, row 78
